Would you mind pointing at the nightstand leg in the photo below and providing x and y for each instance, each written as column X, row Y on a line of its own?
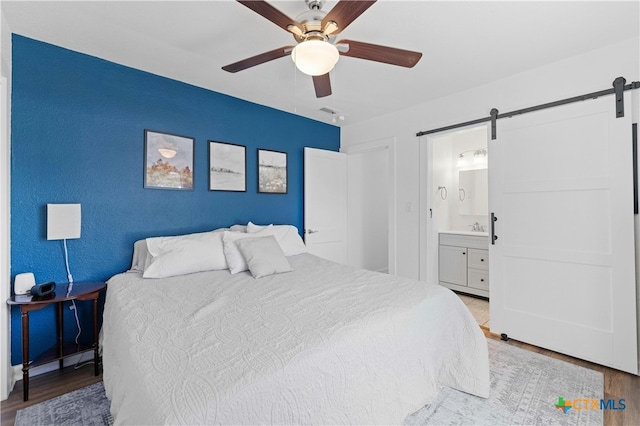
column 60, row 336
column 25, row 354
column 96, row 351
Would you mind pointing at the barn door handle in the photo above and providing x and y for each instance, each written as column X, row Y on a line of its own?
column 634, row 150
column 494, row 237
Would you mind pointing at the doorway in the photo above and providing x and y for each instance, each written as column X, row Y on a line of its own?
column 371, row 210
column 454, row 215
column 349, row 205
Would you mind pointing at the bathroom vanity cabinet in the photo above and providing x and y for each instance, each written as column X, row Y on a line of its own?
column 463, row 262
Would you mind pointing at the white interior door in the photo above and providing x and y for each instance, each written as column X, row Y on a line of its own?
column 325, row 203
column 562, row 268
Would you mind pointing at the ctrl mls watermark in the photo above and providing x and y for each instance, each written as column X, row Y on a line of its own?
column 579, row 404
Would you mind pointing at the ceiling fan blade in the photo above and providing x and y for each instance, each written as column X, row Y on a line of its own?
column 258, row 59
column 265, row 10
column 345, row 12
column 322, row 84
column 377, row 53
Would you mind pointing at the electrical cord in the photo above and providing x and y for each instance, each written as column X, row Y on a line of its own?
column 79, row 365
column 70, row 286
column 75, row 311
column 73, row 302
column 66, row 262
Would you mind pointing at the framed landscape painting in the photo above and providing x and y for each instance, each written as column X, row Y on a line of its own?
column 272, row 171
column 227, row 167
column 168, row 161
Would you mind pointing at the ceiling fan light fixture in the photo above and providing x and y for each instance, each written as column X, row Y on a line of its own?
column 315, row 57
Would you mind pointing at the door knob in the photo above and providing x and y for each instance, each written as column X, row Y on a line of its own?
column 311, row 231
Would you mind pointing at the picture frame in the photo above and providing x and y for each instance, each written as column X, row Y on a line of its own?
column 227, row 167
column 272, row 172
column 168, row 161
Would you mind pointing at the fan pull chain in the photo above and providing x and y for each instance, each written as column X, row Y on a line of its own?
column 335, row 86
column 295, row 89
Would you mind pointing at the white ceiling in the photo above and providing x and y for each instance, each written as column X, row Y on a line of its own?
column 464, row 44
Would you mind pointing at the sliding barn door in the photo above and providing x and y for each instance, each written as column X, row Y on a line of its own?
column 562, row 268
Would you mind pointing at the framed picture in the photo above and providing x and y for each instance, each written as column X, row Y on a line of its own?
column 272, row 171
column 227, row 167
column 168, row 161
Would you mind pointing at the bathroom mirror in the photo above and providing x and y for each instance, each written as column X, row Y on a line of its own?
column 473, row 193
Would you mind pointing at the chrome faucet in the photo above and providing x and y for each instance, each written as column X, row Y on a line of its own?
column 477, row 227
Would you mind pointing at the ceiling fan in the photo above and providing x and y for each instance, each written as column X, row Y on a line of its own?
column 317, row 52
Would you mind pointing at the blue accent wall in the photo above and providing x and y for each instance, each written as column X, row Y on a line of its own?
column 78, row 137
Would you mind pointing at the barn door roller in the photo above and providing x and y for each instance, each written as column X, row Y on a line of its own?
column 494, row 118
column 618, row 87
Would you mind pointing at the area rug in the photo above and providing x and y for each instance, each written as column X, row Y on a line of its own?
column 525, row 389
column 88, row 406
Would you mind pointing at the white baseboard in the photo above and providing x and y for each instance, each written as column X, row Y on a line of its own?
column 52, row 366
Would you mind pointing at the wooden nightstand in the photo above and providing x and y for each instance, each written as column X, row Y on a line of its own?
column 89, row 290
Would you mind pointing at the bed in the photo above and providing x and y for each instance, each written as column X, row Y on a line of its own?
column 322, row 343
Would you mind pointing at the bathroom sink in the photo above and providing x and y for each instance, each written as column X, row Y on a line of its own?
column 477, row 233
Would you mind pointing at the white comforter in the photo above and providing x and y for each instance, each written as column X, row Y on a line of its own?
column 324, row 344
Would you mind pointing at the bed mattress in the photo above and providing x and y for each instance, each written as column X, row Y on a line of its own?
column 323, row 344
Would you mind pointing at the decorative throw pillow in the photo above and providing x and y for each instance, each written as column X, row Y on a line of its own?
column 235, row 260
column 263, row 256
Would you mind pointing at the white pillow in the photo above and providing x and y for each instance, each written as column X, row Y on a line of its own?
column 185, row 254
column 286, row 235
column 235, row 260
column 141, row 256
column 263, row 256
column 239, row 228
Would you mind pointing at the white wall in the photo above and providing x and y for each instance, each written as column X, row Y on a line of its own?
column 573, row 76
column 435, row 202
column 443, row 189
column 6, row 377
column 367, row 206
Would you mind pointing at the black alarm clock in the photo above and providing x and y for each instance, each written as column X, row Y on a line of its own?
column 43, row 289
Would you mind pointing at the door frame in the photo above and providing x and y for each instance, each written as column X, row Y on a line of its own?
column 390, row 145
column 635, row 119
column 428, row 244
column 6, row 372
